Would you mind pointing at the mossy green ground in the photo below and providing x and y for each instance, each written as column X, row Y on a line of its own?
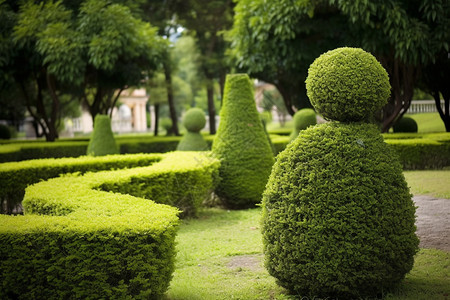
column 220, row 256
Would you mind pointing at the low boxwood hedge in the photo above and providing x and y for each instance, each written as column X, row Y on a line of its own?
column 78, row 239
column 415, row 151
column 16, row 176
column 26, row 150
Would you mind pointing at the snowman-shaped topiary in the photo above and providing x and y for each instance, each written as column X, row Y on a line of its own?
column 194, row 120
column 338, row 218
column 303, row 119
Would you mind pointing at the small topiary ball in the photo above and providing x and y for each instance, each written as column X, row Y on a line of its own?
column 347, row 85
column 405, row 124
column 194, row 120
column 302, row 120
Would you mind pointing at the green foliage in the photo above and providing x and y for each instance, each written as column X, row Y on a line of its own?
column 5, row 134
column 78, row 242
column 194, row 121
column 241, row 145
column 347, row 84
column 422, row 153
column 16, row 176
column 181, row 179
column 405, row 124
column 102, row 141
column 303, row 119
column 338, row 219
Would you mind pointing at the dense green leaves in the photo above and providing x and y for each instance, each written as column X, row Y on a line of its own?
column 303, row 119
column 102, row 141
column 242, row 146
column 338, row 219
column 347, row 84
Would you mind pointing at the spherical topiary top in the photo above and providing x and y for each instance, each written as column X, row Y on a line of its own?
column 347, row 85
column 194, row 120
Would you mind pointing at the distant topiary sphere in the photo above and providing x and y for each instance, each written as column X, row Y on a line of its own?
column 194, row 121
column 338, row 218
column 347, row 85
column 405, row 124
column 102, row 141
column 303, row 119
column 242, row 146
column 5, row 133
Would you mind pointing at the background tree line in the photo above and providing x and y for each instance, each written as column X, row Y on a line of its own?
column 56, row 55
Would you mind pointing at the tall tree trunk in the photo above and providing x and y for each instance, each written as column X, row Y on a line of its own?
column 444, row 114
column 211, row 107
column 170, row 99
column 402, row 78
column 55, row 115
column 156, row 119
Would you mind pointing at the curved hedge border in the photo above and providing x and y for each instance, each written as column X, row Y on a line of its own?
column 16, row 176
column 77, row 241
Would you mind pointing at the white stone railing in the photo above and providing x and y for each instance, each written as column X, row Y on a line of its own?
column 423, row 106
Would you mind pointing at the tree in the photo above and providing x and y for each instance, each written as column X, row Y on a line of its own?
column 404, row 35
column 434, row 79
column 276, row 41
column 94, row 50
column 206, row 21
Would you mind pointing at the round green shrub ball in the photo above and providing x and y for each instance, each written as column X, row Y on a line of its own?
column 338, row 218
column 102, row 141
column 5, row 133
column 303, row 119
column 194, row 120
column 405, row 124
column 347, row 85
column 242, row 146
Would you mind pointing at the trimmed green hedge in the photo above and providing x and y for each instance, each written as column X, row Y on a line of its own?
column 26, row 150
column 79, row 239
column 79, row 243
column 16, row 176
column 415, row 151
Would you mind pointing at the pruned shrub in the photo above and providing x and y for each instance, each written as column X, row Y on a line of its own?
column 102, row 141
column 303, row 119
column 194, row 121
column 5, row 133
column 242, row 146
column 76, row 242
column 405, row 124
column 80, row 239
column 338, row 218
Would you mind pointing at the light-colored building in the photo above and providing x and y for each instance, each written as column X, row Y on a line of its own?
column 130, row 116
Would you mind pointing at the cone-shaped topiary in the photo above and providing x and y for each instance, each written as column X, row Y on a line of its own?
column 194, row 120
column 338, row 218
column 102, row 141
column 302, row 120
column 405, row 124
column 242, row 146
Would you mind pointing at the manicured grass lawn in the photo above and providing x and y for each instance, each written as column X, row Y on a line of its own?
column 428, row 122
column 220, row 256
column 435, row 183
